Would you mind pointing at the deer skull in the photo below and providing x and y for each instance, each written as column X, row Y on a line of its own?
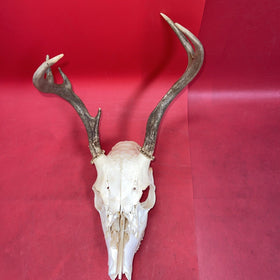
column 125, row 172
column 122, row 176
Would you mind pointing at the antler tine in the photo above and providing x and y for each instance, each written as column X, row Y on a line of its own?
column 195, row 60
column 64, row 90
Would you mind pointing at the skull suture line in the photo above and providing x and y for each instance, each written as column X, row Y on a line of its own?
column 125, row 172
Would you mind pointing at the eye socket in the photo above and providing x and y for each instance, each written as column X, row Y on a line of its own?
column 145, row 194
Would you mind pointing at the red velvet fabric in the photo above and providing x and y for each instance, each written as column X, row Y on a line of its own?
column 234, row 113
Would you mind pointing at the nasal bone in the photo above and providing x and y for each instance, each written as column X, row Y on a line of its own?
column 121, row 247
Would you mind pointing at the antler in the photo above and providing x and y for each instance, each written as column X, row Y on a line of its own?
column 64, row 90
column 195, row 60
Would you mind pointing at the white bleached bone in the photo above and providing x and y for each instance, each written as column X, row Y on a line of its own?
column 122, row 176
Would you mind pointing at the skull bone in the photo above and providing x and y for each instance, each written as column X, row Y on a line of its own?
column 122, row 176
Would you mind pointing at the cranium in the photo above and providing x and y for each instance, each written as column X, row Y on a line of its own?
column 125, row 172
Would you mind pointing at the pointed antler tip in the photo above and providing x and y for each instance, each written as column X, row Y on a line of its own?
column 182, row 29
column 165, row 16
column 55, row 59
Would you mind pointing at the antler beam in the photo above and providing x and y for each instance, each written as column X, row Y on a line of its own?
column 195, row 60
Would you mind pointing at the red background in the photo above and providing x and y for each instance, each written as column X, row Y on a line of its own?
column 217, row 164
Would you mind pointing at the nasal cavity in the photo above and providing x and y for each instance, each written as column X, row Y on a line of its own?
column 145, row 194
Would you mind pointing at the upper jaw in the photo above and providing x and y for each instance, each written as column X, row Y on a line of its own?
column 123, row 240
